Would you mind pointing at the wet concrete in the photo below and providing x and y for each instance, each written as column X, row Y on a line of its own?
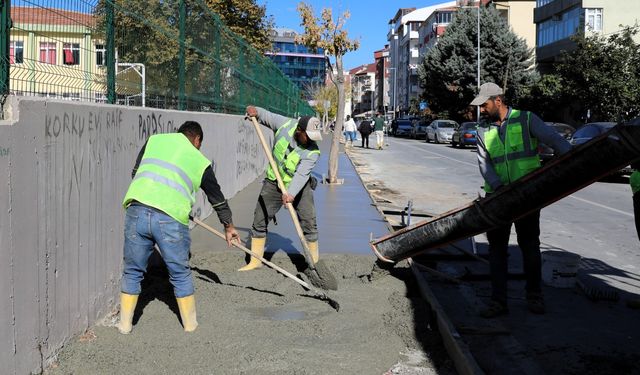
column 260, row 322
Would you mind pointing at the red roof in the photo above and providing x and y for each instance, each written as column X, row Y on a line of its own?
column 51, row 16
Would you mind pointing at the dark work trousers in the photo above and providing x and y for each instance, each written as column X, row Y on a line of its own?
column 636, row 211
column 528, row 232
column 365, row 139
column 270, row 201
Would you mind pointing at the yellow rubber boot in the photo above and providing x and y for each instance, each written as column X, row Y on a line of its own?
column 187, row 307
column 313, row 249
column 127, row 306
column 257, row 247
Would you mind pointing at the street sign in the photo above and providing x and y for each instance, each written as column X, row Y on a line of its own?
column 423, row 106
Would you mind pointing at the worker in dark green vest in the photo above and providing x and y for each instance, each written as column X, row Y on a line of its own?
column 507, row 151
column 635, row 188
column 296, row 152
column 168, row 172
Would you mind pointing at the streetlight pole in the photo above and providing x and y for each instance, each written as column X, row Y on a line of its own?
column 394, row 92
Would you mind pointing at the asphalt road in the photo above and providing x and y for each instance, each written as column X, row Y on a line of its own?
column 595, row 222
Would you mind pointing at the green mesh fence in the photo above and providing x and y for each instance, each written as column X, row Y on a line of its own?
column 163, row 54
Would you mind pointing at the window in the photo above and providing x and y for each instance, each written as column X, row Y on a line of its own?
column 100, row 55
column 541, row 3
column 560, row 26
column 444, row 17
column 16, row 52
column 47, row 53
column 71, row 53
column 592, row 19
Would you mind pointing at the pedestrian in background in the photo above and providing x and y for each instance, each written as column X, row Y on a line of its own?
column 168, row 172
column 378, row 127
column 365, row 130
column 507, row 151
column 350, row 131
column 296, row 152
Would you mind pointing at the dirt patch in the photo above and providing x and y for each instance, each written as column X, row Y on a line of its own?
column 260, row 322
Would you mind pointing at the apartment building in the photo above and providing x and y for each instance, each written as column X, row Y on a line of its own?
column 558, row 20
column 363, row 89
column 404, row 53
column 299, row 64
column 381, row 96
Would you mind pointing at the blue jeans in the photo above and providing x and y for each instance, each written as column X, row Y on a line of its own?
column 350, row 136
column 144, row 227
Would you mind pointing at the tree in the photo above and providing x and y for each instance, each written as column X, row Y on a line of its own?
column 321, row 93
column 448, row 72
column 604, row 73
column 329, row 35
column 245, row 18
column 147, row 32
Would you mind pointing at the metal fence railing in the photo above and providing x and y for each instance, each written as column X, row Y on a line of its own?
column 164, row 54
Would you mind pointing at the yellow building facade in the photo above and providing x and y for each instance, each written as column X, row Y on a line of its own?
column 57, row 54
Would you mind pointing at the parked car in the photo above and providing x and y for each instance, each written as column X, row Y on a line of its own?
column 419, row 129
column 566, row 131
column 465, row 135
column 404, row 127
column 441, row 131
column 591, row 130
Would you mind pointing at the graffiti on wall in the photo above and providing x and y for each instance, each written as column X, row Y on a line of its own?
column 248, row 150
column 152, row 124
column 94, row 138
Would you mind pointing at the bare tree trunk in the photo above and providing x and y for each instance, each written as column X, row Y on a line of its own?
column 335, row 142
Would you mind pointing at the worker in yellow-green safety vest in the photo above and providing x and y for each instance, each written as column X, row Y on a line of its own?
column 507, row 151
column 167, row 174
column 635, row 189
column 295, row 152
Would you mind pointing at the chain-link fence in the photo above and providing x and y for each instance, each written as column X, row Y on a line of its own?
column 173, row 54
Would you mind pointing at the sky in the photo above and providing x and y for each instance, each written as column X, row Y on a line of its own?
column 369, row 21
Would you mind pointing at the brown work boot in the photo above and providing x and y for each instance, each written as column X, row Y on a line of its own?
column 535, row 303
column 494, row 309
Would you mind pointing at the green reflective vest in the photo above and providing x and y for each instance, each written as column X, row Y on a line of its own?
column 635, row 181
column 286, row 154
column 518, row 155
column 168, row 176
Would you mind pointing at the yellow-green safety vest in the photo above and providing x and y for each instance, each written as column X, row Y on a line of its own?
column 518, row 155
column 634, row 180
column 168, row 176
column 286, row 154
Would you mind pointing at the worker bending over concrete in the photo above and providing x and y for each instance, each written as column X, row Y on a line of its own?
column 296, row 152
column 508, row 151
column 168, row 172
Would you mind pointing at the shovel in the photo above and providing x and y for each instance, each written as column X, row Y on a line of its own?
column 318, row 273
column 314, row 291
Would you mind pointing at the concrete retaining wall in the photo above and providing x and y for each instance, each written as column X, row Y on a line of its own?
column 65, row 168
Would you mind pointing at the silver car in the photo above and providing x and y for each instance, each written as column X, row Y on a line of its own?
column 440, row 131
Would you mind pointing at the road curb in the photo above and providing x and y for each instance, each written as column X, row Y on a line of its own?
column 464, row 362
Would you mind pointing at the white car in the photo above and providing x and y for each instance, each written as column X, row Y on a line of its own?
column 441, row 131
